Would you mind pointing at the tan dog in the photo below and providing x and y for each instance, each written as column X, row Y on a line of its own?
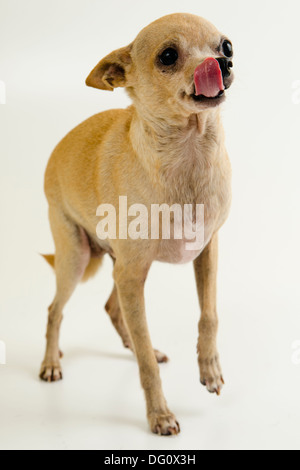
column 167, row 148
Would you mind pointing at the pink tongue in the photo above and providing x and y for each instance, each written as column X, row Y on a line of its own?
column 208, row 79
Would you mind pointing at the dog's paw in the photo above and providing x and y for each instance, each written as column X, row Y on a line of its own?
column 164, row 424
column 51, row 372
column 160, row 357
column 211, row 374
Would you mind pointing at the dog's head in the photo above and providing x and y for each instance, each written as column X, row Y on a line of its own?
column 178, row 65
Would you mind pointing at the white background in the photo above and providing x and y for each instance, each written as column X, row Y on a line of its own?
column 46, row 51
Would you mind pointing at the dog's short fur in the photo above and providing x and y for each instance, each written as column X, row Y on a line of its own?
column 167, row 147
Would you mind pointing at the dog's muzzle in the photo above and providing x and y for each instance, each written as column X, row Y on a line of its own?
column 211, row 78
column 225, row 66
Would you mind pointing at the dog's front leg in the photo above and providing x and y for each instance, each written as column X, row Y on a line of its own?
column 206, row 277
column 130, row 282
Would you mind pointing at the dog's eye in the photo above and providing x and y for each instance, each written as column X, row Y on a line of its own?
column 227, row 48
column 169, row 56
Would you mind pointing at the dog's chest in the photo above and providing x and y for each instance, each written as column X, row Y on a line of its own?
column 198, row 180
column 187, row 249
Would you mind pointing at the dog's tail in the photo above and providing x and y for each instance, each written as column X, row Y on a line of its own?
column 90, row 271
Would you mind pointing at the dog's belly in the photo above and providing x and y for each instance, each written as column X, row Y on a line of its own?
column 184, row 251
column 181, row 255
column 176, row 252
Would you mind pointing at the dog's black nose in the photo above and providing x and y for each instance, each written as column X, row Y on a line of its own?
column 225, row 66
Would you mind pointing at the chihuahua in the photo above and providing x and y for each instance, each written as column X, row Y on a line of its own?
column 166, row 148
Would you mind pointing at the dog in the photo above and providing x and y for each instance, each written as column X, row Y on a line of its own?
column 166, row 148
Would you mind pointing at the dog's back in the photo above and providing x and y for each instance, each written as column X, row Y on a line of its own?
column 73, row 166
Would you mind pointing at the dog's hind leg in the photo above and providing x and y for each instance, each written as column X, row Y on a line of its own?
column 72, row 257
column 113, row 309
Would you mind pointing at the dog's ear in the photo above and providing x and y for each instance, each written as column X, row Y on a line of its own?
column 112, row 71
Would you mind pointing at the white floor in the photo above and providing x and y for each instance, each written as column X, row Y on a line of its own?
column 100, row 404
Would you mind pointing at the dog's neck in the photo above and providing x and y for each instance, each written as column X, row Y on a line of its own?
column 175, row 153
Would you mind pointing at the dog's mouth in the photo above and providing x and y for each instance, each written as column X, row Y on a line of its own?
column 210, row 82
column 213, row 100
